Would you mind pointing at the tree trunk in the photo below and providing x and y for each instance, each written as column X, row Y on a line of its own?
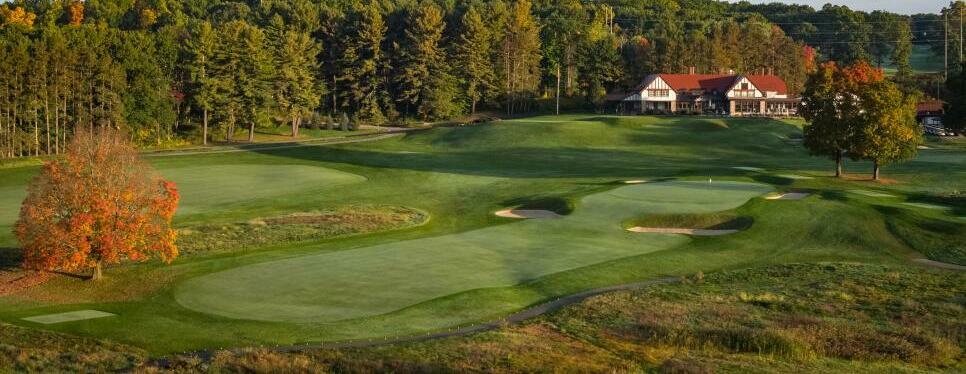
column 558, row 89
column 204, row 127
column 96, row 274
column 47, row 122
column 875, row 170
column 251, row 132
column 838, row 165
column 295, row 127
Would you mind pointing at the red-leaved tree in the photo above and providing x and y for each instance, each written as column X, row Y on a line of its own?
column 97, row 205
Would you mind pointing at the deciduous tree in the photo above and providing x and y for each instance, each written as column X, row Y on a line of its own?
column 98, row 205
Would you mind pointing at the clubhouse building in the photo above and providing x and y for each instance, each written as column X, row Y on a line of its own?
column 763, row 95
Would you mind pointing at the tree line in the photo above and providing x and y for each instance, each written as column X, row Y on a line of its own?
column 171, row 71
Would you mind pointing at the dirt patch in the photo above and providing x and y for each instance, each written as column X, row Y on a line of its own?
column 527, row 214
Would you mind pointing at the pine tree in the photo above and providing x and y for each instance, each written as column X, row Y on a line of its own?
column 363, row 85
column 296, row 90
column 473, row 53
column 421, row 58
column 200, row 48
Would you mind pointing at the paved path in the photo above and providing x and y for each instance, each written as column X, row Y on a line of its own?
column 458, row 331
column 937, row 264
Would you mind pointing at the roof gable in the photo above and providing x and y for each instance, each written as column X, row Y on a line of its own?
column 768, row 83
column 703, row 82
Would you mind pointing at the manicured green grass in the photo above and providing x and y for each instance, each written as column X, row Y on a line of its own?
column 460, row 176
column 381, row 279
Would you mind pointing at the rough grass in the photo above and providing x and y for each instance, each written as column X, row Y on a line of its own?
column 709, row 221
column 791, row 318
column 27, row 350
column 342, row 221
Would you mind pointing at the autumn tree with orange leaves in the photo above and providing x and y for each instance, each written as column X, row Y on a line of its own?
column 832, row 109
column 98, row 205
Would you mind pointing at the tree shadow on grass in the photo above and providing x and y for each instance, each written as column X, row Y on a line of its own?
column 11, row 259
column 773, row 180
column 833, row 195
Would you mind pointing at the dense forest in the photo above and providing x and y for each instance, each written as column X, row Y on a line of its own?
column 170, row 71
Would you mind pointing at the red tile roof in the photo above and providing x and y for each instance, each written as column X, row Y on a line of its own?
column 929, row 106
column 768, row 83
column 705, row 82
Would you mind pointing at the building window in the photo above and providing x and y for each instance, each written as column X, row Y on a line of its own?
column 746, row 107
column 658, row 93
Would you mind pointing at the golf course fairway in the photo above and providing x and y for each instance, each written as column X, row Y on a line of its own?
column 380, row 279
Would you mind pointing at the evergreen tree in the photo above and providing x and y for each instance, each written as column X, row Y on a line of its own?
column 473, row 54
column 362, row 60
column 296, row 90
column 200, row 48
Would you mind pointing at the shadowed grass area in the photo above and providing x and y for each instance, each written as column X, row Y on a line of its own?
column 938, row 239
column 710, row 221
column 828, row 317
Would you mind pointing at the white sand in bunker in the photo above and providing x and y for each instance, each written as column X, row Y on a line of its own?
column 672, row 230
column 788, row 196
column 747, row 168
column 635, row 181
column 527, row 214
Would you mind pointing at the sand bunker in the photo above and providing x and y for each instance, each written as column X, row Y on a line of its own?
column 794, row 176
column 635, row 181
column 672, row 230
column 77, row 315
column 747, row 168
column 788, row 196
column 527, row 214
column 871, row 193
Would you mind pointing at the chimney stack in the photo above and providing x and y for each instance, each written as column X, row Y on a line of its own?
column 691, row 70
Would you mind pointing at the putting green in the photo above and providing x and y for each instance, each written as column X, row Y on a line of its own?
column 203, row 188
column 384, row 278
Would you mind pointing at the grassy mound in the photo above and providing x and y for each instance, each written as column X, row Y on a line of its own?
column 349, row 220
column 708, row 221
column 785, row 318
column 937, row 239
